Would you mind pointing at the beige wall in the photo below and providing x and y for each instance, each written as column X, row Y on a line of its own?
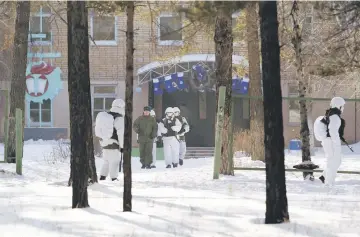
column 107, row 65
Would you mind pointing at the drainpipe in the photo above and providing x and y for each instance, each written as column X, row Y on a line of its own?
column 355, row 114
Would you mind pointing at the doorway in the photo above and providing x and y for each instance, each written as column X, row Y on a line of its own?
column 202, row 129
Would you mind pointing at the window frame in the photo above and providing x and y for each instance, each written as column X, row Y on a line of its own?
column 40, row 124
column 169, row 42
column 40, row 41
column 310, row 16
column 292, row 94
column 102, row 96
column 103, row 42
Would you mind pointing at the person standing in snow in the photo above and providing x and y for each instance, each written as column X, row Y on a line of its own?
column 109, row 127
column 153, row 164
column 185, row 128
column 329, row 129
column 169, row 128
column 146, row 128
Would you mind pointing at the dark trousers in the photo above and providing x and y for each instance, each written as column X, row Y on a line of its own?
column 146, row 152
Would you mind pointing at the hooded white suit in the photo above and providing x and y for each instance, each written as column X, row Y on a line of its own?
column 332, row 144
column 181, row 134
column 112, row 157
column 168, row 128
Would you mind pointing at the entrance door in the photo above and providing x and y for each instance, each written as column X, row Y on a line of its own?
column 202, row 132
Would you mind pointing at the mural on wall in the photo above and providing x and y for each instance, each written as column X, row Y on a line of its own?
column 43, row 81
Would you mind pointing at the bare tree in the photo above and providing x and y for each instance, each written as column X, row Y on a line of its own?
column 19, row 61
column 129, row 83
column 276, row 199
column 302, row 86
column 256, row 106
column 223, row 68
column 79, row 100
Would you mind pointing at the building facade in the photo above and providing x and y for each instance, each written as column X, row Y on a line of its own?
column 165, row 75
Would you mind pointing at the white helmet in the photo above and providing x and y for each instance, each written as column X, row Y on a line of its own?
column 337, row 102
column 152, row 113
column 118, row 106
column 176, row 111
column 169, row 112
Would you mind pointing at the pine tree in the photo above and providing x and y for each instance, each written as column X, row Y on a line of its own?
column 19, row 61
column 276, row 200
column 79, row 101
column 127, row 196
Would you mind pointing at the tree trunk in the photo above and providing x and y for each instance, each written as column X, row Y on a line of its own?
column 129, row 83
column 311, row 131
column 256, row 106
column 19, row 61
column 223, row 63
column 302, row 86
column 80, row 101
column 276, row 200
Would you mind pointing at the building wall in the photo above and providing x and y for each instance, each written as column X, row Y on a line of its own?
column 107, row 66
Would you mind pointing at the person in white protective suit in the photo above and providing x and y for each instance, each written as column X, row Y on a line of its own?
column 109, row 127
column 169, row 127
column 329, row 129
column 185, row 128
column 153, row 164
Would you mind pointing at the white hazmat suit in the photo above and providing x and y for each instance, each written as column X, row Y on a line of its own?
column 112, row 157
column 332, row 144
column 169, row 127
column 184, row 129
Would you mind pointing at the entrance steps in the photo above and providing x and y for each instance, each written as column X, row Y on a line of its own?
column 199, row 152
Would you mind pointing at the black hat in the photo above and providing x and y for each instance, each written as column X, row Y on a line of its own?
column 147, row 108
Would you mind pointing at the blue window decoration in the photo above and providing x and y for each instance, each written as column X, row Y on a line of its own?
column 181, row 83
column 200, row 72
column 244, row 85
column 240, row 86
column 170, row 84
column 157, row 86
column 236, row 82
column 43, row 81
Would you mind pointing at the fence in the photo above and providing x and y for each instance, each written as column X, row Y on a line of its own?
column 240, row 139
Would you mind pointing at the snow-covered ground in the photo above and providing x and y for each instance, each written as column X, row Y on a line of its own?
column 173, row 202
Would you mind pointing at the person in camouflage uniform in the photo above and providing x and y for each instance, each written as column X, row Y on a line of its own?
column 146, row 128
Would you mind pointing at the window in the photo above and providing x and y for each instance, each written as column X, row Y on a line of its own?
column 294, row 106
column 40, row 26
column 307, row 25
column 170, row 30
column 103, row 96
column 103, row 30
column 40, row 115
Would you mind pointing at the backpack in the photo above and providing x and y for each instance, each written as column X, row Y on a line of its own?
column 321, row 130
column 104, row 125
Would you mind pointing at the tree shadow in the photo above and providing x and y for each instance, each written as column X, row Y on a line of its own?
column 69, row 228
column 296, row 228
column 145, row 226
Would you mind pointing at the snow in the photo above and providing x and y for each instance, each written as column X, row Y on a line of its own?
column 173, row 202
